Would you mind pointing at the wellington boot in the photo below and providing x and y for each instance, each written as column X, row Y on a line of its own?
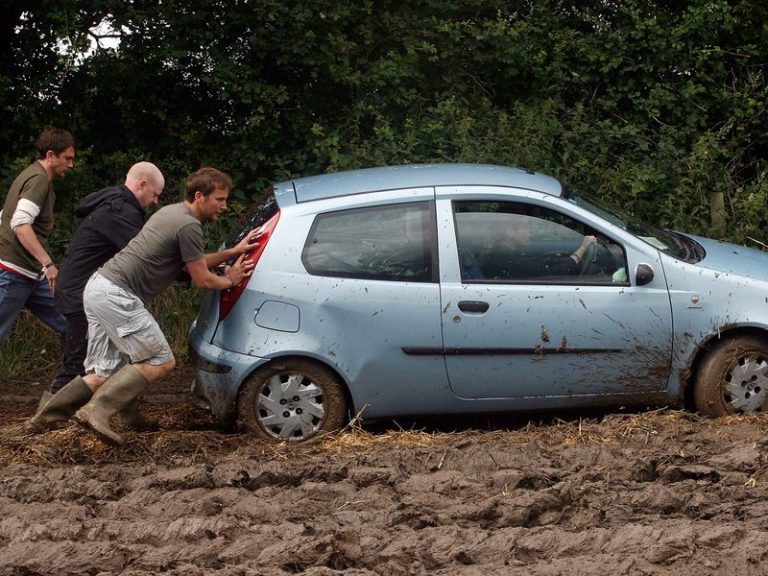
column 60, row 407
column 44, row 397
column 131, row 418
column 122, row 388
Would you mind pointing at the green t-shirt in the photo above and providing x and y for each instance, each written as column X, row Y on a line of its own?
column 32, row 185
column 156, row 255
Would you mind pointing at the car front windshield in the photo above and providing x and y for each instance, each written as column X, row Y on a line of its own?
column 668, row 241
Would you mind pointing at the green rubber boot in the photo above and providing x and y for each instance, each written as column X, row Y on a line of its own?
column 131, row 418
column 60, row 407
column 46, row 395
column 116, row 394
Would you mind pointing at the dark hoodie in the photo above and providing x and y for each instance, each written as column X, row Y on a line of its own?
column 113, row 217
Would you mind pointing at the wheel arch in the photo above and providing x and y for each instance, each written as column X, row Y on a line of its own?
column 294, row 357
column 689, row 376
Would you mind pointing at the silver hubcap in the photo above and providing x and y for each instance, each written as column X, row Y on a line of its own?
column 746, row 385
column 290, row 406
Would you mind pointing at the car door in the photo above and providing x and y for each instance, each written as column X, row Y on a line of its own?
column 535, row 325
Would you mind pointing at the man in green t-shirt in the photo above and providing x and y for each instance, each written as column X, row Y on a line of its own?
column 126, row 347
column 27, row 272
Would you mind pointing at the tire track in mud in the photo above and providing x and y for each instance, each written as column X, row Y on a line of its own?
column 653, row 493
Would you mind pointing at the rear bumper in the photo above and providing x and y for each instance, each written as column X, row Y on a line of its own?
column 218, row 375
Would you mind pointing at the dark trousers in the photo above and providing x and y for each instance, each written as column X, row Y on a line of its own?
column 75, row 349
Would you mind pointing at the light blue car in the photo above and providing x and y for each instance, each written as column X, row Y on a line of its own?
column 461, row 288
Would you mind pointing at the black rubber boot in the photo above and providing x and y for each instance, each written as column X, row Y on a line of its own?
column 122, row 388
column 60, row 407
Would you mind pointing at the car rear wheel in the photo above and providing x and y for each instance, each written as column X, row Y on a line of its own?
column 733, row 378
column 291, row 400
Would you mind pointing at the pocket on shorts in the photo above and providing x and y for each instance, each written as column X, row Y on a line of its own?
column 141, row 339
column 133, row 326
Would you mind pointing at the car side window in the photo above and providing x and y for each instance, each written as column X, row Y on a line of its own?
column 379, row 243
column 520, row 243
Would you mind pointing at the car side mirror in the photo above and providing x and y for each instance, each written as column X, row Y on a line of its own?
column 643, row 274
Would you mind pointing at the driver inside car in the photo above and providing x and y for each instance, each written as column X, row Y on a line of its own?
column 506, row 255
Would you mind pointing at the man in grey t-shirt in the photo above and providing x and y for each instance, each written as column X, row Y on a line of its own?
column 126, row 348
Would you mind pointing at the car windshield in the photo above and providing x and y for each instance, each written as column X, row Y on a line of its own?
column 670, row 242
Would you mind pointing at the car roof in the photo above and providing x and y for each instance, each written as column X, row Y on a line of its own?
column 411, row 176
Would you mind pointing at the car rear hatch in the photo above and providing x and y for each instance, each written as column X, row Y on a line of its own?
column 218, row 303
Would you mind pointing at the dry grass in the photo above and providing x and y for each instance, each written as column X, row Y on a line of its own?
column 188, row 433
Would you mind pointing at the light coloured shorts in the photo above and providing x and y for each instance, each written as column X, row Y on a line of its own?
column 120, row 329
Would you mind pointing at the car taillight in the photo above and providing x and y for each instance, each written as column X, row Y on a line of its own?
column 228, row 298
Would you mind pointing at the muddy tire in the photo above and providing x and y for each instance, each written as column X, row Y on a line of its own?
column 733, row 378
column 291, row 400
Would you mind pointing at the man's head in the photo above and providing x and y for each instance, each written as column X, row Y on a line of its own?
column 55, row 150
column 146, row 182
column 207, row 190
column 518, row 233
column 508, row 231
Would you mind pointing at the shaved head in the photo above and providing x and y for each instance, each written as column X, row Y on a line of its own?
column 144, row 170
column 146, row 182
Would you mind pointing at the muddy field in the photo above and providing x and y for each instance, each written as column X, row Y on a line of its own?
column 660, row 492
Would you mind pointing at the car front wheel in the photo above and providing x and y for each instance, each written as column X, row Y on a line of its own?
column 733, row 378
column 291, row 400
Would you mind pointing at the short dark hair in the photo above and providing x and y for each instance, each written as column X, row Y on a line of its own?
column 54, row 139
column 206, row 180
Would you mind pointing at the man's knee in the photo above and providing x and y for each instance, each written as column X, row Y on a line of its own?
column 94, row 381
column 154, row 372
column 169, row 366
column 163, row 370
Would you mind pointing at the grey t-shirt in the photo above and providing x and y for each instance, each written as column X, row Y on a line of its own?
column 156, row 256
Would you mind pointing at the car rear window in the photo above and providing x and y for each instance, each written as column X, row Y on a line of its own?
column 394, row 242
column 261, row 211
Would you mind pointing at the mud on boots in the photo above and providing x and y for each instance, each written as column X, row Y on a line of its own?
column 116, row 394
column 60, row 407
column 131, row 418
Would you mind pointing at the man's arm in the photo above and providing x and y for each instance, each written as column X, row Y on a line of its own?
column 202, row 277
column 27, row 237
column 245, row 245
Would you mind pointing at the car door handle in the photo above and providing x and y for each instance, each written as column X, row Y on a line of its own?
column 473, row 306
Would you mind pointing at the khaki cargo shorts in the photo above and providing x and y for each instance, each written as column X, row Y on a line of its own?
column 120, row 329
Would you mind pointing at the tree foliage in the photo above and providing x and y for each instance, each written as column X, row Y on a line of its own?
column 654, row 105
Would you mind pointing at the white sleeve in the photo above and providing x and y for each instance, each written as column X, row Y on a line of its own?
column 26, row 212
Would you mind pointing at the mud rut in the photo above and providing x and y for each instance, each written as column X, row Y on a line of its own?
column 651, row 493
